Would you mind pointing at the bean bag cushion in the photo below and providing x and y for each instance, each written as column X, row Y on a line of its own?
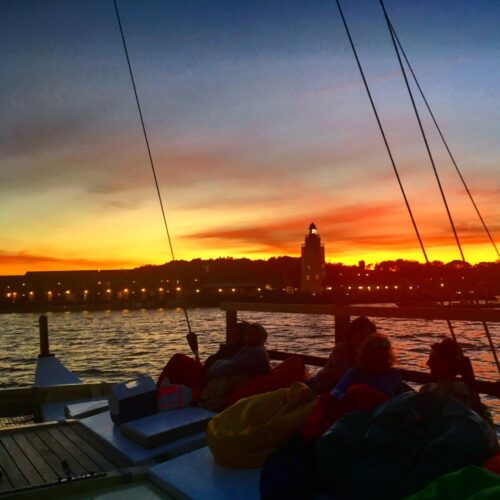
column 328, row 409
column 284, row 375
column 183, row 370
column 493, row 463
column 400, row 446
column 471, row 482
column 244, row 434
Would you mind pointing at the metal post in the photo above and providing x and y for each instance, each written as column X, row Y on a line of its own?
column 231, row 320
column 44, row 337
column 342, row 323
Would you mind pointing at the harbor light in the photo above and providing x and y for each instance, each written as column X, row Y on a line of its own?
column 67, row 292
column 220, row 290
column 178, row 289
column 108, row 290
column 160, row 289
column 234, row 290
column 197, row 290
column 9, row 295
column 143, row 290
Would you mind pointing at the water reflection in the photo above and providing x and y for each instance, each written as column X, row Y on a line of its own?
column 114, row 345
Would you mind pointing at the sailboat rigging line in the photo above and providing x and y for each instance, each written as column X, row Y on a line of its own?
column 443, row 196
column 393, row 163
column 151, row 162
column 391, row 32
column 381, row 128
column 443, row 138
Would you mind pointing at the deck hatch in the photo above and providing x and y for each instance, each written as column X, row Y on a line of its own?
column 43, row 455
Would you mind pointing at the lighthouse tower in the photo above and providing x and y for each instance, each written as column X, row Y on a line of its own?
column 312, row 262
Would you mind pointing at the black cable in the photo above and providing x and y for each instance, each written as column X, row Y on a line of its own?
column 443, row 196
column 374, row 108
column 391, row 31
column 387, row 146
column 443, row 138
column 151, row 162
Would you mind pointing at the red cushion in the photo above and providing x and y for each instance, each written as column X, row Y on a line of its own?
column 493, row 463
column 328, row 410
column 183, row 370
column 284, row 375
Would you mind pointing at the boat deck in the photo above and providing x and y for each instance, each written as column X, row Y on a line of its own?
column 40, row 456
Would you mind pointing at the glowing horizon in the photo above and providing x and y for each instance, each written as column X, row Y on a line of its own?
column 258, row 123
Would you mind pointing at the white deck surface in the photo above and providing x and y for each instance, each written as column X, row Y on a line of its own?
column 196, row 475
column 166, row 426
column 86, row 408
column 103, row 427
column 50, row 371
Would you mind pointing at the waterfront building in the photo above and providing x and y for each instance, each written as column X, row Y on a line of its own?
column 313, row 270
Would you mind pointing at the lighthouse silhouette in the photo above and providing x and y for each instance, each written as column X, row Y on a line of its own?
column 312, row 262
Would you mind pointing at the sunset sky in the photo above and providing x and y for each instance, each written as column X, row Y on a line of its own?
column 259, row 124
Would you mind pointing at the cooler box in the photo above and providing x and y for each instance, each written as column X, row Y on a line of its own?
column 132, row 399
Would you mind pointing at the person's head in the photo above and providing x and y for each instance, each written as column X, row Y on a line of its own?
column 359, row 329
column 255, row 334
column 237, row 336
column 375, row 354
column 446, row 360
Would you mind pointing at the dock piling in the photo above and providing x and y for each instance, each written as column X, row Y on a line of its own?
column 44, row 336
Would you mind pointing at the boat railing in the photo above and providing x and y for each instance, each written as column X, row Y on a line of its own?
column 343, row 314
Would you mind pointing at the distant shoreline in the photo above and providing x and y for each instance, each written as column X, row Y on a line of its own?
column 61, row 308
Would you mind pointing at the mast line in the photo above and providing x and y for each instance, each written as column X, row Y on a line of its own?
column 151, row 162
column 424, row 137
column 443, row 138
column 381, row 128
column 391, row 31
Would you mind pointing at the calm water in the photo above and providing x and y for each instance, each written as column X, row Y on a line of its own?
column 116, row 345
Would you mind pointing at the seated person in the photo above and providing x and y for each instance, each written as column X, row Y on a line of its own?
column 184, row 370
column 343, row 356
column 251, row 359
column 228, row 349
column 227, row 375
column 373, row 368
column 447, row 361
column 370, row 382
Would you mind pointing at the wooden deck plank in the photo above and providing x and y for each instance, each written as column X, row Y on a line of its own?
column 60, row 452
column 48, row 455
column 22, row 462
column 9, row 471
column 103, row 448
column 102, row 462
column 36, row 459
column 88, row 464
